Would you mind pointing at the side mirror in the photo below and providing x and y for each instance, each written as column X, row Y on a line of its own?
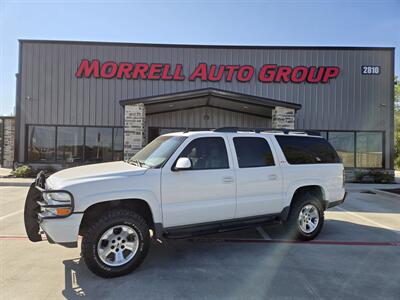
column 183, row 163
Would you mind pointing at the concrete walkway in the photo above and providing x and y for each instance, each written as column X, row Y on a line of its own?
column 9, row 181
column 5, row 172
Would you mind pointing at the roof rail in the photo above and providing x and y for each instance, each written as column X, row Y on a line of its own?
column 273, row 130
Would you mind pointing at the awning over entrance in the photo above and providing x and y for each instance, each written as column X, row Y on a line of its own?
column 210, row 97
column 205, row 109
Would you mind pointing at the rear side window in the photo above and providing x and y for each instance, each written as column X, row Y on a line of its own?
column 253, row 152
column 307, row 150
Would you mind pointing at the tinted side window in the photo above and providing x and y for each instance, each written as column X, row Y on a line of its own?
column 207, row 153
column 253, row 152
column 307, row 150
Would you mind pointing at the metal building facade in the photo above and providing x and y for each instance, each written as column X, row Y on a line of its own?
column 49, row 93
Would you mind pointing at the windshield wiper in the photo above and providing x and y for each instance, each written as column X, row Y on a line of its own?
column 138, row 163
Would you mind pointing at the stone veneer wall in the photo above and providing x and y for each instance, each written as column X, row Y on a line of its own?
column 134, row 129
column 283, row 117
column 9, row 138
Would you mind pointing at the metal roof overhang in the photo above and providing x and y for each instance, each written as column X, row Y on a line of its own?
column 213, row 98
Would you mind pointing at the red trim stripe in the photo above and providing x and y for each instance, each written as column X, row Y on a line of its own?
column 260, row 241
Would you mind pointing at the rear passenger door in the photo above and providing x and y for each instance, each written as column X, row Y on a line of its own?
column 259, row 179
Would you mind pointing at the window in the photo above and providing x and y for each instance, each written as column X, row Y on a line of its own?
column 41, row 143
column 324, row 134
column 118, row 153
column 98, row 146
column 70, row 144
column 74, row 144
column 307, row 150
column 343, row 142
column 156, row 153
column 253, row 152
column 369, row 147
column 207, row 153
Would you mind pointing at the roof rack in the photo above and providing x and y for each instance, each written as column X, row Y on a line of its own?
column 271, row 130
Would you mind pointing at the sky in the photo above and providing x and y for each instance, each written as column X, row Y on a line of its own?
column 285, row 22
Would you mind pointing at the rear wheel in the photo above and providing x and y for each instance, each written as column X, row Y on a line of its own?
column 116, row 244
column 306, row 217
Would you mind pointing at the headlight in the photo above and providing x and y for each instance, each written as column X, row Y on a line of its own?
column 56, row 204
column 57, row 196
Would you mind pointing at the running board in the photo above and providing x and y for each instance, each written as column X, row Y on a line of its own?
column 181, row 232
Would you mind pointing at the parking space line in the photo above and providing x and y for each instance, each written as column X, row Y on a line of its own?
column 369, row 220
column 263, row 233
column 11, row 214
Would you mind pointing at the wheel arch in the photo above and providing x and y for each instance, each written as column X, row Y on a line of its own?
column 315, row 189
column 141, row 206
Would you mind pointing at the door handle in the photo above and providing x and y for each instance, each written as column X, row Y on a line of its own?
column 272, row 177
column 227, row 179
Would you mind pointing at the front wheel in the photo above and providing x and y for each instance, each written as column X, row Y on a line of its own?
column 306, row 217
column 116, row 244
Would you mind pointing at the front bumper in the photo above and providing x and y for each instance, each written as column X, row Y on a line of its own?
column 63, row 231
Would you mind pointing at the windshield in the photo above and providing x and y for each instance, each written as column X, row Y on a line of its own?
column 155, row 154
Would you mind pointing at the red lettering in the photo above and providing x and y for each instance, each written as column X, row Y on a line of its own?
column 165, row 72
column 299, row 74
column 155, row 71
column 231, row 71
column 245, row 73
column 283, row 74
column 199, row 72
column 140, row 71
column 330, row 72
column 124, row 70
column 311, row 78
column 87, row 69
column 267, row 73
column 218, row 77
column 108, row 70
column 178, row 75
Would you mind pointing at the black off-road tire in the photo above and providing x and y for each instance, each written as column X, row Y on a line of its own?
column 95, row 231
column 293, row 229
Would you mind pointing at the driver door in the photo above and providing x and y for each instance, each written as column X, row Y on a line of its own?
column 204, row 193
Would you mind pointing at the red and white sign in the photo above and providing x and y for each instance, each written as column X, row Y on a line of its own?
column 157, row 71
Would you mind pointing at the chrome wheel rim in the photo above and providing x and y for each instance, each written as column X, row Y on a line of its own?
column 308, row 218
column 118, row 245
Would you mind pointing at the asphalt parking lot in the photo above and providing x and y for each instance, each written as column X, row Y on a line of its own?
column 357, row 255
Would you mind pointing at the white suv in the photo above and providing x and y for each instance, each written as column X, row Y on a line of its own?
column 185, row 184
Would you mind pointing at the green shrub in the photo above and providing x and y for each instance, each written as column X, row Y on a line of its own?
column 359, row 176
column 381, row 177
column 24, row 171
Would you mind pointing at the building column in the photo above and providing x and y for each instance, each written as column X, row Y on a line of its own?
column 9, row 138
column 134, row 129
column 283, row 117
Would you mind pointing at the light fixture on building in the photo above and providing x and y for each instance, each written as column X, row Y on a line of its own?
column 206, row 117
column 28, row 98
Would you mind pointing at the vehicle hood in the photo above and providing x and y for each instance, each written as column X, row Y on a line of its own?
column 90, row 173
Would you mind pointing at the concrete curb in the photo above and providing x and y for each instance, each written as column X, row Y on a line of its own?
column 387, row 194
column 16, row 181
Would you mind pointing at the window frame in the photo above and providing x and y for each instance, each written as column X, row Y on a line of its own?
column 383, row 132
column 54, row 161
column 197, row 138
column 253, row 137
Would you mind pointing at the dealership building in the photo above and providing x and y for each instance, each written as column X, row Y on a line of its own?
column 87, row 102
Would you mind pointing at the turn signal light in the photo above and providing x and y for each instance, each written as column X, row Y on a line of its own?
column 63, row 211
